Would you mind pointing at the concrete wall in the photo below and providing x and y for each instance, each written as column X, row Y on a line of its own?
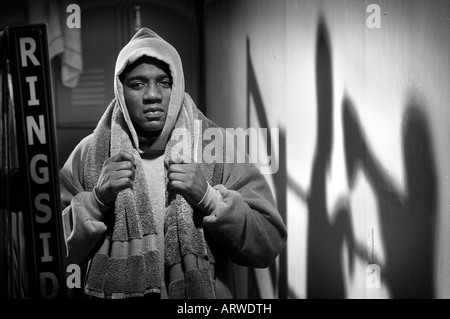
column 364, row 137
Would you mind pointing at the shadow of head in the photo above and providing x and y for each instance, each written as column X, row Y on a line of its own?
column 420, row 170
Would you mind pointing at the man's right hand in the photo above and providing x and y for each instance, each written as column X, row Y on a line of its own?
column 117, row 174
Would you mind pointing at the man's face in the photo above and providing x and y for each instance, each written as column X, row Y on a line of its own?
column 147, row 89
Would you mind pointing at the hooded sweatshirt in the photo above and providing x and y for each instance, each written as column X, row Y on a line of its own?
column 147, row 43
column 240, row 219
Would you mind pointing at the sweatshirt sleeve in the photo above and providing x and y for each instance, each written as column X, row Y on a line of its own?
column 82, row 213
column 241, row 215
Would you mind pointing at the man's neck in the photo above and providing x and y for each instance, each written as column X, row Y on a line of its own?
column 146, row 139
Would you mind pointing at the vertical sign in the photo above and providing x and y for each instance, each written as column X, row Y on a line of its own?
column 30, row 70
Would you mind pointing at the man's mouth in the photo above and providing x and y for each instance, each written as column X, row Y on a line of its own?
column 153, row 113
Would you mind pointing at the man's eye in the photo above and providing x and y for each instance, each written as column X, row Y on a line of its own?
column 137, row 85
column 167, row 84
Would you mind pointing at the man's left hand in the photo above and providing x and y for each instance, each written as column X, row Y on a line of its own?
column 188, row 179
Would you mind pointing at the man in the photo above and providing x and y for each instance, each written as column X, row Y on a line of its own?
column 145, row 220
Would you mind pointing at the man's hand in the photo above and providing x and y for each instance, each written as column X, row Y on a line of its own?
column 188, row 179
column 117, row 174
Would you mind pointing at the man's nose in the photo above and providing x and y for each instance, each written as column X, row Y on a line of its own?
column 152, row 93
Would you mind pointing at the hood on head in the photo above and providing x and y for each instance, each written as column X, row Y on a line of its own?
column 147, row 43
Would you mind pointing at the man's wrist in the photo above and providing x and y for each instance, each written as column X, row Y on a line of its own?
column 98, row 200
column 210, row 200
column 204, row 195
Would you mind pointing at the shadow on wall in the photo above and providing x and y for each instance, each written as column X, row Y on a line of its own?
column 407, row 220
column 279, row 180
column 325, row 237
